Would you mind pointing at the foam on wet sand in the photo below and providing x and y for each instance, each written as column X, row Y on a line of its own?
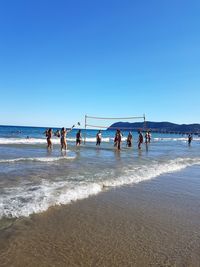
column 153, row 223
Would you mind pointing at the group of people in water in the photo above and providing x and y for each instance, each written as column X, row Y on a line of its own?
column 62, row 134
column 129, row 140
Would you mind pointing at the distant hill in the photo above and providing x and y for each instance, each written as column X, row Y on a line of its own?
column 165, row 127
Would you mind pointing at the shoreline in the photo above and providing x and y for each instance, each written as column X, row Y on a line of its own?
column 152, row 223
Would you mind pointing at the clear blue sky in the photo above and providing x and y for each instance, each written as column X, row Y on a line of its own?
column 62, row 59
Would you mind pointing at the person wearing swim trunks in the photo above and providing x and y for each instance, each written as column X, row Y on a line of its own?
column 189, row 139
column 98, row 137
column 78, row 138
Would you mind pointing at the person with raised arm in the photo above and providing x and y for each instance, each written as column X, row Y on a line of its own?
column 63, row 139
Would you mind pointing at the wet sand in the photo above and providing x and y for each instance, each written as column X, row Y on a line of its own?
column 153, row 223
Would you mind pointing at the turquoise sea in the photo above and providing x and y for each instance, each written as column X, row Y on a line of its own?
column 33, row 178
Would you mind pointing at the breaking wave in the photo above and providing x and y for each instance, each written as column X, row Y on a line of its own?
column 26, row 199
column 40, row 159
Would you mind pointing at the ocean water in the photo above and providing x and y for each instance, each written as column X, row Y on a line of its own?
column 33, row 178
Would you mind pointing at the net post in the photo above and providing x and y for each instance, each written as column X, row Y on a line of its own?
column 144, row 122
column 85, row 129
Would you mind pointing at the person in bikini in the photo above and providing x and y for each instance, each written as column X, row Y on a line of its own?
column 63, row 139
column 146, row 137
column 149, row 137
column 140, row 139
column 129, row 140
column 49, row 134
column 118, row 139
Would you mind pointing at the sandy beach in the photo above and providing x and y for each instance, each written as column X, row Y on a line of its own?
column 99, row 134
column 153, row 223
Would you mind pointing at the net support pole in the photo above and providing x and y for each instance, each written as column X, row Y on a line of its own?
column 85, row 129
column 145, row 126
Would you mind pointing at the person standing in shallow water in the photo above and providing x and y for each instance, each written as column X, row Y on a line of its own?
column 129, row 140
column 140, row 139
column 98, row 137
column 63, row 141
column 57, row 133
column 189, row 139
column 118, row 139
column 49, row 134
column 149, row 137
column 146, row 137
column 78, row 138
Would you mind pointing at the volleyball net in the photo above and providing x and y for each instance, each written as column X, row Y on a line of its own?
column 114, row 123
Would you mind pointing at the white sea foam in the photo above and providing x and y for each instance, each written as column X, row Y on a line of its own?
column 40, row 159
column 34, row 141
column 27, row 199
column 23, row 202
column 16, row 141
column 147, row 172
column 183, row 139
